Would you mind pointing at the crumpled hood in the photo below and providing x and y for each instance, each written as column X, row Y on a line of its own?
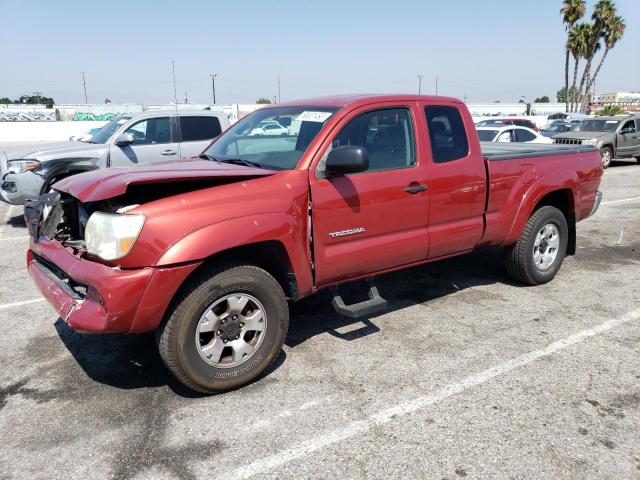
column 582, row 135
column 44, row 151
column 112, row 182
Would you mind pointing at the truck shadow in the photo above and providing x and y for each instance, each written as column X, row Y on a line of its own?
column 127, row 361
column 315, row 315
column 132, row 361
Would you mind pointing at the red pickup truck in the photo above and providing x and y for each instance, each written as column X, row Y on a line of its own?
column 208, row 251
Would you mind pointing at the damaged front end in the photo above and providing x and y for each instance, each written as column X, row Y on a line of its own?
column 90, row 293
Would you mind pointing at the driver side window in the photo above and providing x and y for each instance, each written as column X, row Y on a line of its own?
column 152, row 131
column 629, row 127
column 386, row 134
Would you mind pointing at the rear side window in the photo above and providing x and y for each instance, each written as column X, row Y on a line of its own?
column 524, row 136
column 447, row 133
column 199, row 128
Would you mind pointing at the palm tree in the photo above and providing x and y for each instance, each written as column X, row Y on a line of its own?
column 613, row 32
column 572, row 11
column 592, row 44
column 577, row 44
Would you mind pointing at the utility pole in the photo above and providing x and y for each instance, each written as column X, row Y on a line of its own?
column 278, row 88
column 436, row 85
column 84, row 84
column 419, row 84
column 213, row 86
column 175, row 93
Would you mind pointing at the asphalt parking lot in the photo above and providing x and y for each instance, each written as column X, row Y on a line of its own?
column 466, row 375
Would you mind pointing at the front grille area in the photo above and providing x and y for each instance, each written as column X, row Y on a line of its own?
column 69, row 285
column 567, row 141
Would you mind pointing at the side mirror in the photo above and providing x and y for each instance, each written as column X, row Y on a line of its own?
column 624, row 131
column 347, row 159
column 124, row 139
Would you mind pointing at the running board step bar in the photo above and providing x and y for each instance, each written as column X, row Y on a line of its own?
column 361, row 309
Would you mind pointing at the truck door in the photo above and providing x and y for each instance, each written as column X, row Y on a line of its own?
column 376, row 219
column 457, row 185
column 627, row 140
column 153, row 141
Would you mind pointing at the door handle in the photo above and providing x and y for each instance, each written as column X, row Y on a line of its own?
column 168, row 152
column 416, row 188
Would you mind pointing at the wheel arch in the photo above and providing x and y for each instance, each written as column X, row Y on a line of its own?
column 560, row 191
column 274, row 242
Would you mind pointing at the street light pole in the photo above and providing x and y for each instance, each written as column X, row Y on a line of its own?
column 213, row 86
column 419, row 84
column 84, row 84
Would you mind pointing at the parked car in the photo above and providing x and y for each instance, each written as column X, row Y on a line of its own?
column 270, row 128
column 511, row 134
column 27, row 172
column 614, row 137
column 496, row 122
column 567, row 116
column 207, row 252
column 559, row 126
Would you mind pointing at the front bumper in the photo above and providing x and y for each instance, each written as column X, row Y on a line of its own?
column 16, row 188
column 95, row 298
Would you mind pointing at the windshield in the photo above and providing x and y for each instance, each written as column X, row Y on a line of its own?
column 487, row 135
column 596, row 126
column 104, row 134
column 557, row 127
column 273, row 137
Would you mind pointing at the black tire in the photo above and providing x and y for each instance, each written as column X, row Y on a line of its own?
column 606, row 153
column 176, row 337
column 519, row 258
column 638, row 159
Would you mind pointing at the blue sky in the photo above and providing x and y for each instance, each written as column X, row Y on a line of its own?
column 488, row 50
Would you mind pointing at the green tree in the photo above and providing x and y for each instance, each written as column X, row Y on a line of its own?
column 5, row 101
column 561, row 95
column 610, row 110
column 263, row 100
column 572, row 11
column 544, row 99
column 36, row 99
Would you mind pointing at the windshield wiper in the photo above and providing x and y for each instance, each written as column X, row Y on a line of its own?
column 235, row 161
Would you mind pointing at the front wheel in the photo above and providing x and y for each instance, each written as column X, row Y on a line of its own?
column 606, row 155
column 538, row 254
column 225, row 328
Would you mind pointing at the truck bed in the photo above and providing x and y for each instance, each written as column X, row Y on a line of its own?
column 510, row 151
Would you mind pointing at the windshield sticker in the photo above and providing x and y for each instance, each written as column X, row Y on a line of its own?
column 612, row 121
column 313, row 116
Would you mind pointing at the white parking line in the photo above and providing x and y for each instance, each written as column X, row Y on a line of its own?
column 4, row 306
column 624, row 200
column 290, row 454
column 14, row 238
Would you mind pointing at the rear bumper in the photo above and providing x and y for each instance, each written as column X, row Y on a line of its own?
column 108, row 300
column 596, row 203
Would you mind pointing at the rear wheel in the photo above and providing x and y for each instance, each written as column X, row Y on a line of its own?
column 606, row 155
column 538, row 254
column 225, row 328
